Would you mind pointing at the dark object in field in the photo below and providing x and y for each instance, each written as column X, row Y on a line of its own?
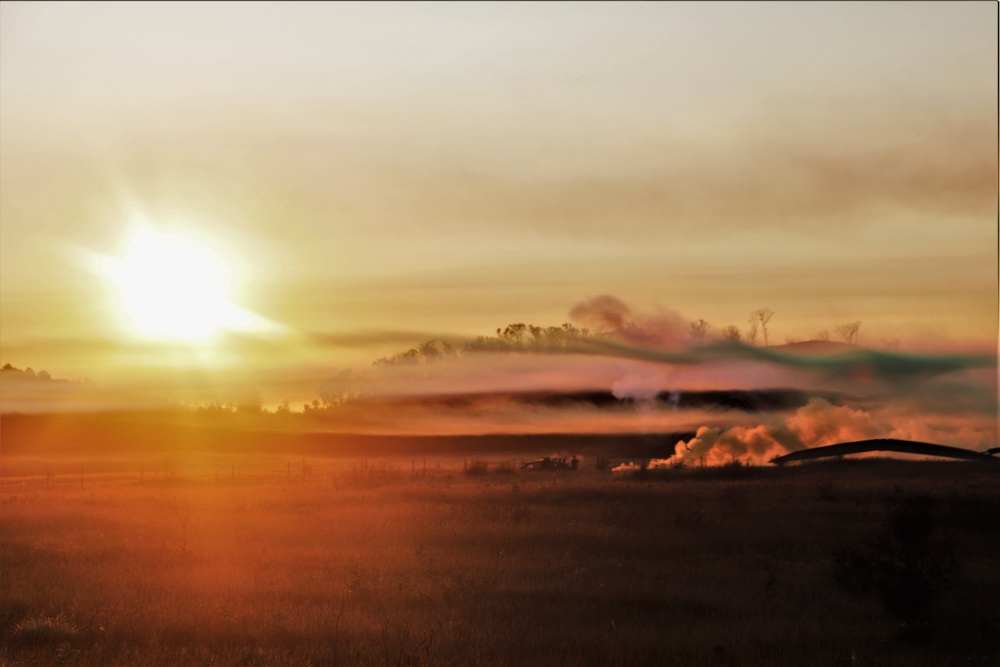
column 907, row 565
column 884, row 445
column 551, row 463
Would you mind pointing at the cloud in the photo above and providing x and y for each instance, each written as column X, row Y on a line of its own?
column 772, row 174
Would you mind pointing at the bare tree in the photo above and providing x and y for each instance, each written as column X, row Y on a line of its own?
column 513, row 333
column 849, row 332
column 699, row 330
column 731, row 333
column 823, row 335
column 752, row 330
column 764, row 316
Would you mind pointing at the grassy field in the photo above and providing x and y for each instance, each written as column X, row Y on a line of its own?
column 267, row 562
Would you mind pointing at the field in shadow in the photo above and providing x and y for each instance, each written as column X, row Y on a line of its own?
column 343, row 562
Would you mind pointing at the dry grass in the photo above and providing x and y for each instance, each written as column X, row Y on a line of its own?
column 349, row 564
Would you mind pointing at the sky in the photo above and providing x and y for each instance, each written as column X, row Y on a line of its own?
column 373, row 175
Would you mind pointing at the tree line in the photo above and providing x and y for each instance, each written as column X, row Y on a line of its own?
column 12, row 371
column 518, row 337
column 521, row 337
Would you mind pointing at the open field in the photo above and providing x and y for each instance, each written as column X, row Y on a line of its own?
column 230, row 561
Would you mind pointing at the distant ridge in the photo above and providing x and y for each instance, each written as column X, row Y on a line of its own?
column 816, row 347
column 884, row 445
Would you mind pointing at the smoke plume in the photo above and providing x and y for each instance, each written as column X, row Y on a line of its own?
column 610, row 315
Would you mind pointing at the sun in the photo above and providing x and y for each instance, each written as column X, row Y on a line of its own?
column 173, row 287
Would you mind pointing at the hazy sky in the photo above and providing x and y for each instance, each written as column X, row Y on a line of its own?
column 454, row 167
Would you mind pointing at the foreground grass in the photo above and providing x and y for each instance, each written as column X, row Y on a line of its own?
column 378, row 566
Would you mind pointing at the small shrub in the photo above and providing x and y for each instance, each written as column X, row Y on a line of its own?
column 44, row 630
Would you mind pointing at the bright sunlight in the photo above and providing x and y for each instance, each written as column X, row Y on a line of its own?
column 172, row 287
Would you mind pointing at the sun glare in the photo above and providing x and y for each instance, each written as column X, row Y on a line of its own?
column 173, row 287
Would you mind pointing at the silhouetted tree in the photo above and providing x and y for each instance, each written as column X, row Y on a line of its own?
column 484, row 344
column 26, row 374
column 216, row 408
column 411, row 356
column 849, row 332
column 515, row 337
column 731, row 333
column 764, row 316
column 513, row 334
column 343, row 387
column 699, row 330
column 435, row 349
column 752, row 329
